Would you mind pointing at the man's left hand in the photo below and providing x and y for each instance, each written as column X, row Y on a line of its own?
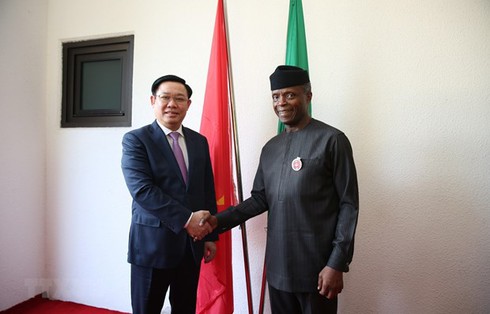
column 330, row 282
column 209, row 251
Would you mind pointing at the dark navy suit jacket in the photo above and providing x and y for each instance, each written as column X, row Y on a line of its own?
column 162, row 203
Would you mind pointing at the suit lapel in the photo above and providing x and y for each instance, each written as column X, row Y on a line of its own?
column 161, row 141
column 192, row 152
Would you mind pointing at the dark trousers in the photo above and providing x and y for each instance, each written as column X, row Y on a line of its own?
column 149, row 287
column 283, row 302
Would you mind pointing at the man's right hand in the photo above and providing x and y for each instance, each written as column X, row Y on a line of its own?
column 212, row 221
column 197, row 228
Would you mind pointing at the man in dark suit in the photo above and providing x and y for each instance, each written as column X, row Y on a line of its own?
column 168, row 172
column 307, row 182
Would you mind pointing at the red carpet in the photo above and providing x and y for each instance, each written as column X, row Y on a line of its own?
column 39, row 305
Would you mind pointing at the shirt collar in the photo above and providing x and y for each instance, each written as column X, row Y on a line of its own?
column 167, row 131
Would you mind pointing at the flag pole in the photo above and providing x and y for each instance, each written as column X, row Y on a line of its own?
column 262, row 290
column 237, row 167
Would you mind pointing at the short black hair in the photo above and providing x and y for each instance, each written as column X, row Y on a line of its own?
column 170, row 78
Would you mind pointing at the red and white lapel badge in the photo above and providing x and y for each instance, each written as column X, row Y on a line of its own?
column 296, row 164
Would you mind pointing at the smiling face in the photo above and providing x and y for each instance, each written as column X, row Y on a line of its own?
column 291, row 106
column 170, row 104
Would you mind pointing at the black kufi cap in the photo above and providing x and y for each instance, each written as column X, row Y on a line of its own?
column 170, row 78
column 288, row 75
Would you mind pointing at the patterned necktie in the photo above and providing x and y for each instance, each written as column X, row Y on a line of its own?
column 179, row 155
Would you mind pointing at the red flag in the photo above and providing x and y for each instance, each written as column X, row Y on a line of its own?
column 215, row 290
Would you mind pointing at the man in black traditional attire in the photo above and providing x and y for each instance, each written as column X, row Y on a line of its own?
column 307, row 182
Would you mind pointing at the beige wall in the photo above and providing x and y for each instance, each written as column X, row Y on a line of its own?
column 23, row 153
column 406, row 80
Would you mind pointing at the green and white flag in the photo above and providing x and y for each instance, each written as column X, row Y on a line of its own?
column 296, row 52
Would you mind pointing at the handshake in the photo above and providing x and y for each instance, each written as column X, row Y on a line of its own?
column 201, row 224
